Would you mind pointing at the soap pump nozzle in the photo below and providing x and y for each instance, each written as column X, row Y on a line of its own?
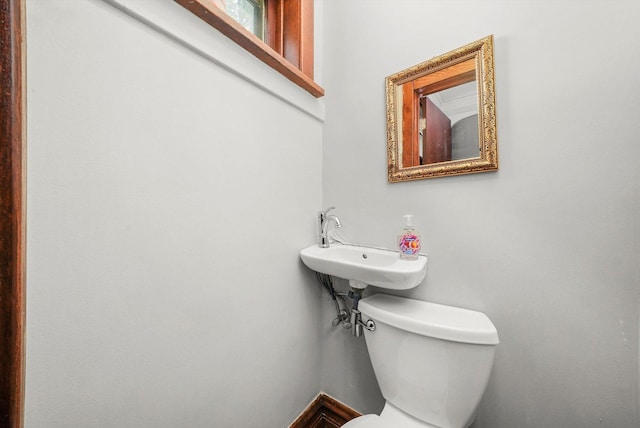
column 408, row 220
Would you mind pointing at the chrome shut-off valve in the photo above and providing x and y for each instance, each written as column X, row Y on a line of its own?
column 357, row 325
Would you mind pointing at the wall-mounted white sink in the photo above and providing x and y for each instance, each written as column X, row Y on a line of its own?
column 372, row 266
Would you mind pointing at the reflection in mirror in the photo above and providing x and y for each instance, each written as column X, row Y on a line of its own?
column 441, row 115
column 448, row 125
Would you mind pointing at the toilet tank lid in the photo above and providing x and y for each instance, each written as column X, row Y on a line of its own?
column 431, row 319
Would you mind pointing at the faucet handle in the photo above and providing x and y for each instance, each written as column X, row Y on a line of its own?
column 328, row 209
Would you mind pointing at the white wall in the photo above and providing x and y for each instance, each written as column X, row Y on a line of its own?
column 549, row 245
column 167, row 201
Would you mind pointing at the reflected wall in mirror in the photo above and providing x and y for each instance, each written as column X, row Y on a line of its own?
column 441, row 116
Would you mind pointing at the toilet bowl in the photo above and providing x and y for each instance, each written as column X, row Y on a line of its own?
column 432, row 362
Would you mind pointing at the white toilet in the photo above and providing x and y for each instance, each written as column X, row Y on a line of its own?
column 432, row 362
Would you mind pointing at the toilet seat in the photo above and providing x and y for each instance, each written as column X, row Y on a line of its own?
column 366, row 421
column 391, row 417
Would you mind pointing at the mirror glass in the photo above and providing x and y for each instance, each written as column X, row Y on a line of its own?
column 441, row 115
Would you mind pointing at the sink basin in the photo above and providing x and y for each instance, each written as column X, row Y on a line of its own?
column 370, row 266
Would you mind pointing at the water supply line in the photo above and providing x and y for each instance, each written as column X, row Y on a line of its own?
column 341, row 314
column 353, row 320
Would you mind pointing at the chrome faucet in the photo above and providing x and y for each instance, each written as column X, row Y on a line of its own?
column 323, row 222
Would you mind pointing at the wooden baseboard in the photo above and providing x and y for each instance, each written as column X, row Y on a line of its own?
column 325, row 412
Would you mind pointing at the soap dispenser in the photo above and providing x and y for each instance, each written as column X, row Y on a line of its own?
column 409, row 240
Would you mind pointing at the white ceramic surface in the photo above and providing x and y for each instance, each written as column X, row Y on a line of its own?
column 436, row 372
column 382, row 268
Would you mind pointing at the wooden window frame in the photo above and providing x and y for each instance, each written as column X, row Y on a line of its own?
column 289, row 34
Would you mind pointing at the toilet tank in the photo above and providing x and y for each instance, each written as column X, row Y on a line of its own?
column 431, row 361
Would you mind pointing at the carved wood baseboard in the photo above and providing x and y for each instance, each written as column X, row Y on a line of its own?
column 325, row 412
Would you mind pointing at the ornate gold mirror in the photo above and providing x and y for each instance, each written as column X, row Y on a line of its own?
column 441, row 115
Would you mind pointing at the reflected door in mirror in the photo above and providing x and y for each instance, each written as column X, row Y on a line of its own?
column 436, row 134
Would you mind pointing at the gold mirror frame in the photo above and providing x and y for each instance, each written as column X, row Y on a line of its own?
column 441, row 71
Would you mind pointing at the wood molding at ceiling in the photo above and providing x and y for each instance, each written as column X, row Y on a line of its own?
column 12, row 212
column 325, row 412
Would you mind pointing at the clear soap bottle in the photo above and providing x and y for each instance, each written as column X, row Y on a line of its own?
column 409, row 240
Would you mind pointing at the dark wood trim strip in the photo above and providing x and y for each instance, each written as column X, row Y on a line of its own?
column 307, row 53
column 325, row 412
column 214, row 16
column 12, row 212
column 274, row 25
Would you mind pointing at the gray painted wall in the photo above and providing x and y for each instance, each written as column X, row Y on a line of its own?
column 167, row 201
column 549, row 245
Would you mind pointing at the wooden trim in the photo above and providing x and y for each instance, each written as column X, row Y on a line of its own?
column 325, row 412
column 217, row 18
column 457, row 74
column 410, row 146
column 307, row 55
column 274, row 25
column 12, row 211
column 291, row 32
column 297, row 35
